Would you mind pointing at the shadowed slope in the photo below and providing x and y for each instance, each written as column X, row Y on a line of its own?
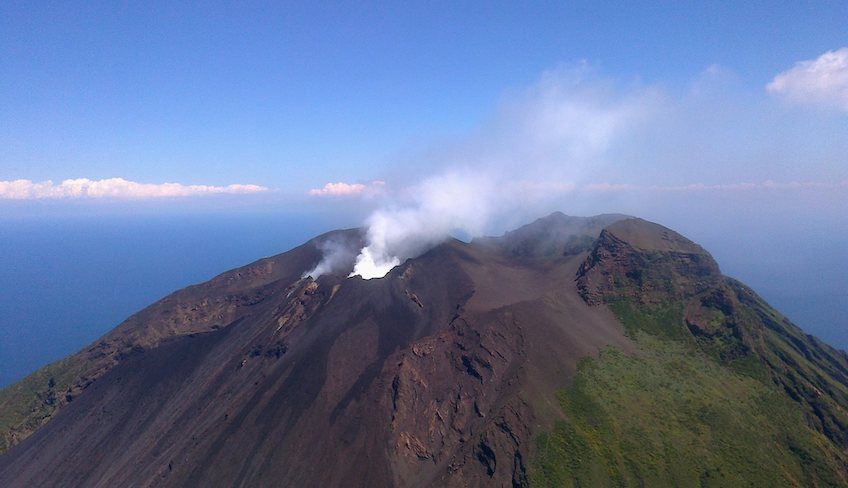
column 215, row 304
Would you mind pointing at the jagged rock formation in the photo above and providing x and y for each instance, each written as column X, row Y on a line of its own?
column 446, row 372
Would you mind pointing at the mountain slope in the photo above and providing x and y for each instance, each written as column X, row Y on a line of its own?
column 26, row 405
column 606, row 350
column 721, row 316
column 723, row 392
column 433, row 374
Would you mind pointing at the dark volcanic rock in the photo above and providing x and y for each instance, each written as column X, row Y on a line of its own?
column 436, row 374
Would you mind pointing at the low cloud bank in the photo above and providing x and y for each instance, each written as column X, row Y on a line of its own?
column 117, row 188
column 742, row 186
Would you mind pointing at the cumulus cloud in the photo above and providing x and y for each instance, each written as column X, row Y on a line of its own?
column 342, row 189
column 116, row 188
column 821, row 82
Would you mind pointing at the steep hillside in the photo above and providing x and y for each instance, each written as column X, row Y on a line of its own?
column 28, row 404
column 723, row 391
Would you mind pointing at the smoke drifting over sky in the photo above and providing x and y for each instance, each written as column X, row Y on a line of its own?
column 575, row 133
column 555, row 131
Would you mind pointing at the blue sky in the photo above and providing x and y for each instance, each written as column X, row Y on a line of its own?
column 291, row 97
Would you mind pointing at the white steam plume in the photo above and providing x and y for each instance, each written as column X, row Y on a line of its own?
column 336, row 255
column 460, row 200
column 573, row 129
column 533, row 150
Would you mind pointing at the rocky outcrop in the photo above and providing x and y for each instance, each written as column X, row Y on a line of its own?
column 639, row 260
column 454, row 409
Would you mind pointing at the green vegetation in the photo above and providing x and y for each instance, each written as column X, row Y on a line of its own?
column 659, row 320
column 27, row 403
column 674, row 415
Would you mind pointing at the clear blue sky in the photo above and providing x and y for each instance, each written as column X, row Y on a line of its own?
column 292, row 96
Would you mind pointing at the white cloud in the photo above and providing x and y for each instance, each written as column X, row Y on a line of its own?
column 822, row 81
column 339, row 189
column 117, row 188
column 342, row 189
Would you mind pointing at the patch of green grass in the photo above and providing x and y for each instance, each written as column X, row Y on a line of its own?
column 662, row 320
column 26, row 404
column 673, row 416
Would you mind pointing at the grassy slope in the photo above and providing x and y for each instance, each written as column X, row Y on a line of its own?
column 675, row 415
column 29, row 402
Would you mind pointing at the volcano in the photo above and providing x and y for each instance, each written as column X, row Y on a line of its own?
column 572, row 351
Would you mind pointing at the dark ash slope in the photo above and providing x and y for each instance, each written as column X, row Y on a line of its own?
column 435, row 374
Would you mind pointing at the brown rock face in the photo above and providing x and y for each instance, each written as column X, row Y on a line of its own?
column 641, row 260
column 438, row 374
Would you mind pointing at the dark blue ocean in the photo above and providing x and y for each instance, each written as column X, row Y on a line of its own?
column 66, row 281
